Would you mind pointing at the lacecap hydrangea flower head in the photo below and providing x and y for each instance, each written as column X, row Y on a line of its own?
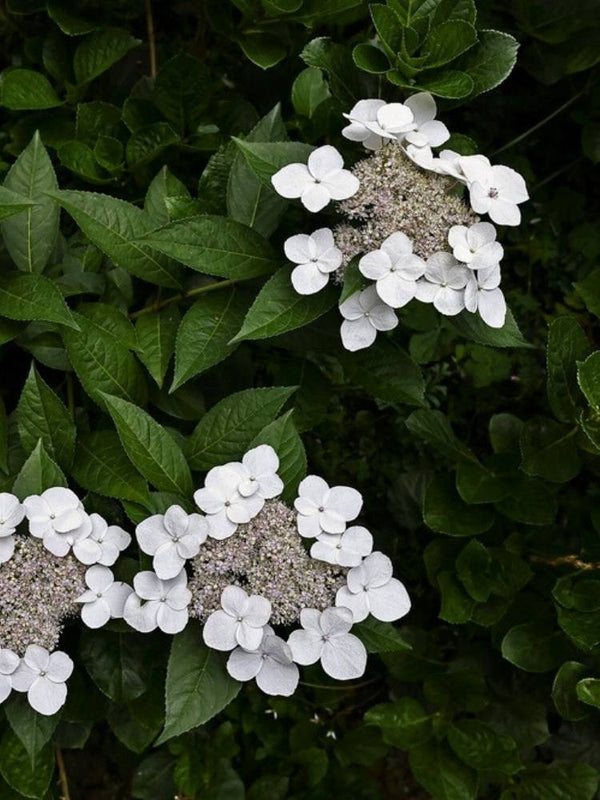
column 402, row 220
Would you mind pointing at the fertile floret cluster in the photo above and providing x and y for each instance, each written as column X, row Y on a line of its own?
column 412, row 232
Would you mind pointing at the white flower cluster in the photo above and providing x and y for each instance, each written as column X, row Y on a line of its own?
column 233, row 495
column 466, row 278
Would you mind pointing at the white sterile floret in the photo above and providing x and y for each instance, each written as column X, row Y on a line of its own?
column 326, row 637
column 395, row 268
column 316, row 183
column 225, row 507
column 325, row 510
column 271, row 665
column 444, row 284
column 58, row 518
column 104, row 598
column 110, row 540
column 316, row 256
column 483, row 294
column 476, row 246
column 372, row 122
column 426, row 131
column 11, row 515
column 43, row 676
column 158, row 604
column 258, row 473
column 364, row 314
column 494, row 190
column 346, row 549
column 371, row 589
column 9, row 662
column 171, row 538
column 240, row 622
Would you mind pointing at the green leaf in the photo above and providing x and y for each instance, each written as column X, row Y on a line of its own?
column 12, row 203
column 278, row 308
column 116, row 662
column 587, row 689
column 263, row 48
column 387, row 372
column 479, row 746
column 434, row 428
column 588, row 377
column 588, row 289
column 491, row 61
column 567, row 344
column 309, row 90
column 148, row 142
column 556, row 781
column 473, row 328
column 103, row 364
column 30, row 777
column 163, row 185
column 266, row 158
column 283, row 437
column 116, row 228
column 42, row 415
column 483, row 484
column 441, row 774
column 549, row 451
column 445, row 512
column 565, row 691
column 456, row 605
column 226, row 431
column 336, row 61
column 473, row 567
column 156, row 334
column 182, row 90
column 450, row 84
column 33, row 730
column 25, row 89
column 533, row 647
column 33, row 297
column 404, row 724
column 69, row 21
column 205, row 332
column 99, row 51
column 37, row 474
column 447, row 41
column 30, row 237
column 198, row 685
column 215, row 246
column 151, row 448
column 380, row 637
column 101, row 465
column 388, row 26
column 531, row 502
column 370, row 59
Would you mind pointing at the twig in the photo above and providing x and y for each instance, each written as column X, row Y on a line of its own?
column 177, row 298
column 572, row 560
column 349, row 687
column 151, row 42
column 62, row 775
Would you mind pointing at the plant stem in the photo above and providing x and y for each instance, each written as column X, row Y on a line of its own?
column 177, row 298
column 62, row 775
column 151, row 42
column 347, row 688
column 571, row 559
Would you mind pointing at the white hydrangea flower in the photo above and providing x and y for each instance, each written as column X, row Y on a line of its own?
column 111, row 540
column 346, row 549
column 316, row 256
column 171, row 539
column 476, row 246
column 372, row 122
column 426, row 130
column 271, row 665
column 483, row 294
column 325, row 510
column 9, row 662
column 240, row 622
column 258, row 473
column 225, row 507
column 494, row 190
column 395, row 268
column 11, row 515
column 448, row 163
column 371, row 589
column 326, row 637
column 364, row 314
column 104, row 598
column 158, row 604
column 444, row 284
column 58, row 518
column 316, row 183
column 43, row 676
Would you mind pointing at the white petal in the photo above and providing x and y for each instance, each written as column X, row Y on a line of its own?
column 306, row 646
column 422, row 106
column 375, row 265
column 344, row 657
column 435, row 132
column 395, row 291
column 342, row 185
column 220, row 526
column 60, row 666
column 504, row 212
column 323, row 550
column 476, row 169
column 47, row 697
column 140, row 617
column 357, row 603
column 23, row 677
column 488, row 255
column 9, row 661
column 7, row 548
column 395, row 117
column 314, row 489
column 208, row 500
column 352, row 308
column 116, row 597
column 335, row 621
column 357, row 334
column 5, row 688
column 167, row 563
column 171, row 620
column 258, row 611
column 151, row 534
column 308, row 279
column 99, row 578
column 278, row 679
column 292, row 180
column 219, row 631
column 410, row 267
column 389, row 602
column 95, row 614
column 489, row 278
column 356, row 132
column 492, row 307
column 383, row 318
column 248, row 637
column 480, row 234
column 323, row 239
column 449, row 301
column 148, row 586
column 308, row 527
column 397, row 246
column 56, row 543
column 377, row 569
column 345, row 501
column 510, row 184
column 244, row 666
column 296, row 248
column 270, row 486
column 426, row 291
column 323, row 160
column 315, row 197
column 87, row 551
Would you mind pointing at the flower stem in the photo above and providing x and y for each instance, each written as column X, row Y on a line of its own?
column 177, row 298
column 151, row 41
column 62, row 775
column 571, row 559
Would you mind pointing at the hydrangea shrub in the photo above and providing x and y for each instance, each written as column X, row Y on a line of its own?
column 299, row 403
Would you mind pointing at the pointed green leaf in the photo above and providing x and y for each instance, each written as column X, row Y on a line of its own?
column 101, row 465
column 12, row 203
column 156, row 334
column 266, row 158
column 37, row 474
column 99, row 51
column 567, row 344
column 33, row 297
column 29, row 777
column 34, row 730
column 25, row 89
column 491, row 61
